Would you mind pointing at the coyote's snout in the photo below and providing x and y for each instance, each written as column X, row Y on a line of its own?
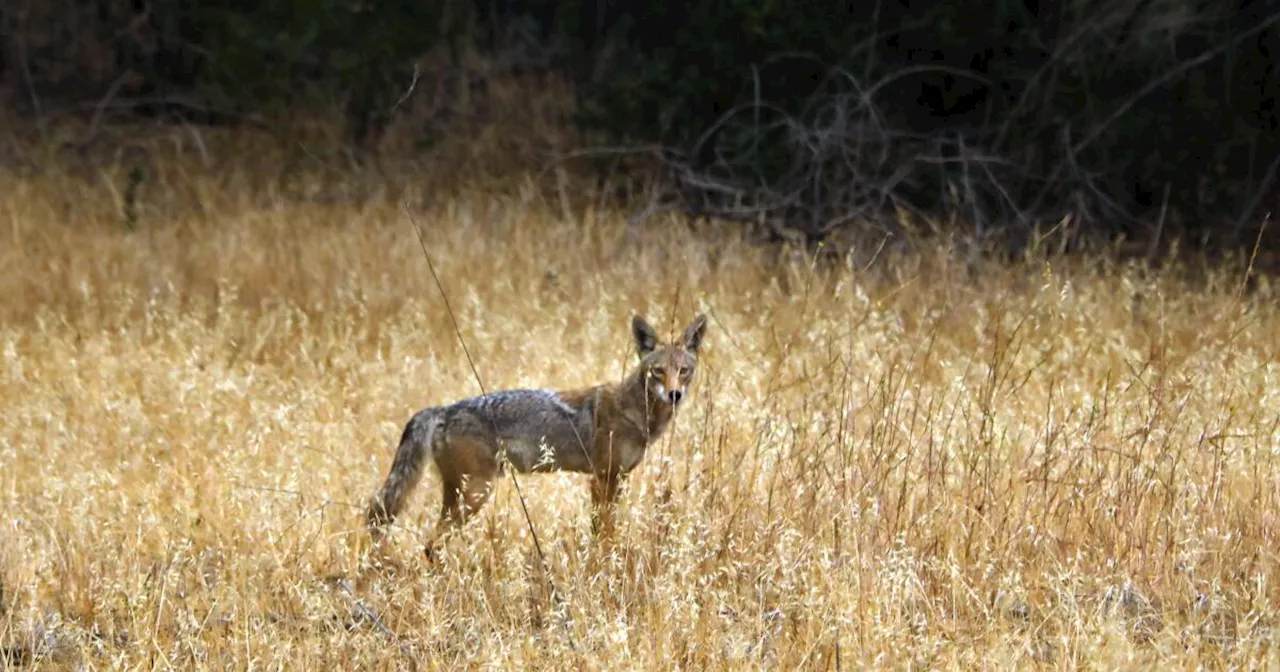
column 602, row 431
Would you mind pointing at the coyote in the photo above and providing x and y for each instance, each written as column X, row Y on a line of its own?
column 602, row 431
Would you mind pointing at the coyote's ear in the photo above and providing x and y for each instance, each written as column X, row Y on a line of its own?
column 646, row 337
column 693, row 334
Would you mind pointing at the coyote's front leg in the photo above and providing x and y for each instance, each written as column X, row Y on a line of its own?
column 604, row 494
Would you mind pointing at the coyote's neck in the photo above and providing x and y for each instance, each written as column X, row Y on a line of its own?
column 649, row 413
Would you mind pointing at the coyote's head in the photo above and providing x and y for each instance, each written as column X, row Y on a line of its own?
column 668, row 367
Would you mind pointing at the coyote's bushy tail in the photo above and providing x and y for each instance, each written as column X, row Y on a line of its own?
column 406, row 471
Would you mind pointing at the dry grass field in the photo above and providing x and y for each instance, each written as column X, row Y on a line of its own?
column 917, row 464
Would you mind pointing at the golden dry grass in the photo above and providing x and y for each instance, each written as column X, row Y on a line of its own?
column 923, row 464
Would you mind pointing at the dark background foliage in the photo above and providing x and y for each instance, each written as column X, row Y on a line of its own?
column 811, row 116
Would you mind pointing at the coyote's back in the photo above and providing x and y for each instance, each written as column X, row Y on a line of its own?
column 603, row 431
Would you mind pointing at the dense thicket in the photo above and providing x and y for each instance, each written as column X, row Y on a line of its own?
column 809, row 115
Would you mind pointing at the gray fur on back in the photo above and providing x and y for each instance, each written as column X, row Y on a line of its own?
column 526, row 421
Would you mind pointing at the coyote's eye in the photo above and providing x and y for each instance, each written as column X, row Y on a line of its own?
column 657, row 372
column 684, row 370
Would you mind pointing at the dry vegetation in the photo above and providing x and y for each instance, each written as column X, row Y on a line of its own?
column 919, row 464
